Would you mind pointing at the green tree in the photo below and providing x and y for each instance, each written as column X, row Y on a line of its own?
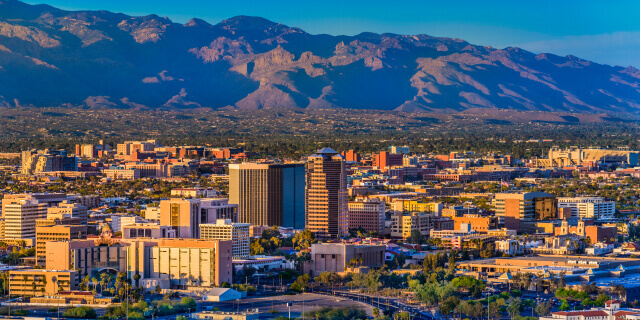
column 542, row 309
column 416, row 237
column 82, row 312
column 514, row 308
column 449, row 305
column 564, row 305
column 303, row 240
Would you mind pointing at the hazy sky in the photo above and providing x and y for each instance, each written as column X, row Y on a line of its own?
column 602, row 31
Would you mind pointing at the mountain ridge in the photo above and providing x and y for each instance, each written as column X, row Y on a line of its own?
column 99, row 59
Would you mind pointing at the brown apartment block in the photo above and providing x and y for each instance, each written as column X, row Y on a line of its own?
column 327, row 212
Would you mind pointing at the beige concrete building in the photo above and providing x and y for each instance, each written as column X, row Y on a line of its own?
column 227, row 230
column 327, row 210
column 67, row 209
column 48, row 160
column 128, row 147
column 85, row 256
column 185, row 215
column 403, row 224
column 47, row 282
column 152, row 213
column 407, row 205
column 185, row 262
column 45, row 234
column 20, row 212
column 117, row 173
column 327, row 257
column 576, row 156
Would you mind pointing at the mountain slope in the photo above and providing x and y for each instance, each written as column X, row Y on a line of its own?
column 99, row 59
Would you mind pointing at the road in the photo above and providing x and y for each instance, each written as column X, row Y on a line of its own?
column 299, row 303
column 387, row 303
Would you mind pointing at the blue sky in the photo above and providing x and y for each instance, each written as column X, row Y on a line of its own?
column 602, row 31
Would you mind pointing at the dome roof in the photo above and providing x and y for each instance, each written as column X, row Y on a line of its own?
column 326, row 151
column 106, row 227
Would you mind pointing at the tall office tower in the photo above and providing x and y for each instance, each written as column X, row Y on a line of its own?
column 268, row 194
column 327, row 208
column 20, row 212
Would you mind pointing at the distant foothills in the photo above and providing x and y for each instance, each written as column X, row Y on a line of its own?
column 99, row 59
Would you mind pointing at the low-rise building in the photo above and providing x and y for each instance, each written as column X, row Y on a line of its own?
column 118, row 173
column 403, row 224
column 509, row 246
column 478, row 223
column 327, row 257
column 220, row 315
column 185, row 262
column 48, row 282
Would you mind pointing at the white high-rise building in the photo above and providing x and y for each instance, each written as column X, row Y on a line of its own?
column 224, row 229
column 20, row 212
column 589, row 207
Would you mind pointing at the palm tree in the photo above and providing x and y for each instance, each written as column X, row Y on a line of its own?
column 136, row 278
column 94, row 281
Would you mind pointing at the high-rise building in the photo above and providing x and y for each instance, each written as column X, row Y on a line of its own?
column 48, row 160
column 513, row 208
column 129, row 147
column 224, row 229
column 185, row 215
column 589, row 207
column 20, row 212
column 351, row 156
column 367, row 214
column 327, row 211
column 268, row 194
column 385, row 159
column 45, row 234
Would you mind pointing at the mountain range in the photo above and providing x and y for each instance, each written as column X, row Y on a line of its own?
column 99, row 59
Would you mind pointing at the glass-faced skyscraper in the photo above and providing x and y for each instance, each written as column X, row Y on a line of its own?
column 268, row 194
